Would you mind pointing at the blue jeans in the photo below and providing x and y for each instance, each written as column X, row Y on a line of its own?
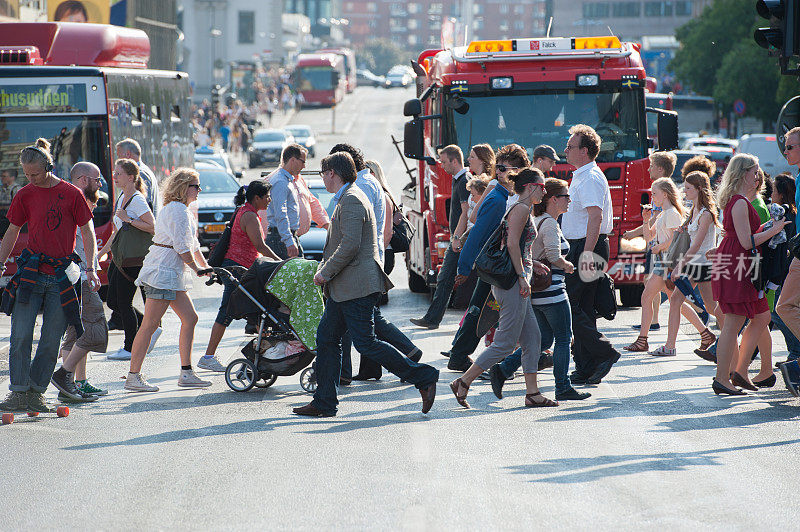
column 25, row 375
column 792, row 343
column 385, row 331
column 555, row 323
column 357, row 317
column 444, row 287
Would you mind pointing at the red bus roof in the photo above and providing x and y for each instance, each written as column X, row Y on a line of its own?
column 331, row 60
column 74, row 43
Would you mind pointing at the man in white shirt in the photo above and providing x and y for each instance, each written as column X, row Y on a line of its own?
column 586, row 225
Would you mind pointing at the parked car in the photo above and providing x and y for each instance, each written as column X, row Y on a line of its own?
column 399, row 76
column 303, row 136
column 367, row 78
column 220, row 157
column 267, row 146
column 682, row 157
column 215, row 203
column 313, row 242
column 721, row 155
column 765, row 147
column 707, row 141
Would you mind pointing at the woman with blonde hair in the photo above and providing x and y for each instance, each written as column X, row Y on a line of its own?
column 731, row 283
column 695, row 265
column 166, row 278
column 664, row 194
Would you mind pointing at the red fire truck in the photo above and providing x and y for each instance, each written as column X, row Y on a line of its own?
column 320, row 78
column 349, row 57
column 530, row 92
column 85, row 87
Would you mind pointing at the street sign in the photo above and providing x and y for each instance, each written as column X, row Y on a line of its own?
column 787, row 119
column 739, row 107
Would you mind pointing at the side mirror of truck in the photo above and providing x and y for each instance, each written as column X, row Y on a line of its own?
column 667, row 128
column 413, row 108
column 413, row 143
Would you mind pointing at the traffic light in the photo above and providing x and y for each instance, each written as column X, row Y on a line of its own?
column 782, row 38
column 215, row 94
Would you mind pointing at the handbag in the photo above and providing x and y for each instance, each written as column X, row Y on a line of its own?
column 402, row 233
column 217, row 254
column 493, row 263
column 130, row 245
column 678, row 247
column 605, row 299
column 541, row 281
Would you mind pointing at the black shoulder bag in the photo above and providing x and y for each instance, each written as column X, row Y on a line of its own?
column 217, row 254
column 493, row 264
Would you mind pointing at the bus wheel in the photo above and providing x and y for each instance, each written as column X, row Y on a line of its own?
column 631, row 295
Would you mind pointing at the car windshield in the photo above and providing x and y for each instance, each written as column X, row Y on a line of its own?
column 315, row 78
column 217, row 181
column 72, row 139
column 324, row 198
column 269, row 136
column 299, row 131
column 533, row 118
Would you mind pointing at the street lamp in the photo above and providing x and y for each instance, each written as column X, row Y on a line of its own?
column 218, row 66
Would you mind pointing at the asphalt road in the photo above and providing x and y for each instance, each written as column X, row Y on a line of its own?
column 652, row 448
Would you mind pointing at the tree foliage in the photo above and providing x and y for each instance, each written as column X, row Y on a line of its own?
column 379, row 55
column 747, row 73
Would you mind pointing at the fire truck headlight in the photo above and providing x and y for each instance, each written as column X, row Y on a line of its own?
column 634, row 245
column 588, row 80
column 502, row 83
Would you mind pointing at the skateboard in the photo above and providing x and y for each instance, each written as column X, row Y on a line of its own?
column 490, row 315
column 8, row 417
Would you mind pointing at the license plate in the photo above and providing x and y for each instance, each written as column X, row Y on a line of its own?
column 215, row 228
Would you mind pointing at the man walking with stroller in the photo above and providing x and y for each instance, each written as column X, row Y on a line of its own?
column 353, row 280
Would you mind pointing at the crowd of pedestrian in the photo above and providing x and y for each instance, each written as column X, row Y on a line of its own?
column 533, row 247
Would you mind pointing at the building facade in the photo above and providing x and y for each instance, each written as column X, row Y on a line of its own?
column 220, row 32
column 417, row 25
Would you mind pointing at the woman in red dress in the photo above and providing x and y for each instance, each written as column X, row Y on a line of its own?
column 731, row 283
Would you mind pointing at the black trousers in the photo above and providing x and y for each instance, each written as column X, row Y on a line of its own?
column 120, row 300
column 589, row 347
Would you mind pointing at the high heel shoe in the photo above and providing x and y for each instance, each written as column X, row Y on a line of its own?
column 724, row 390
column 741, row 382
column 769, row 382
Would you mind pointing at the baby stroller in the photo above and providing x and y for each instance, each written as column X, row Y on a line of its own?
column 252, row 299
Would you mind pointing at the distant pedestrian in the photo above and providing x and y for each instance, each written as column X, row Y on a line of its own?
column 282, row 215
column 733, row 289
column 70, row 378
column 586, row 226
column 130, row 149
column 353, row 279
column 166, row 278
column 53, row 210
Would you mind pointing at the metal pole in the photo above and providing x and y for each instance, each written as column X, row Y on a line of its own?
column 333, row 118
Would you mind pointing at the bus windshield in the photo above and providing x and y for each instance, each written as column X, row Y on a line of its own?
column 72, row 139
column 533, row 118
column 315, row 78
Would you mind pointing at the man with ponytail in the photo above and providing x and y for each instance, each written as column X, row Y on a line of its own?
column 53, row 210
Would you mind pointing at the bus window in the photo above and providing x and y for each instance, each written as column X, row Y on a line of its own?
column 175, row 113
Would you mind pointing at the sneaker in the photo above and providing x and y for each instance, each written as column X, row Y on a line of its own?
column 663, row 351
column 36, row 403
column 791, row 377
column 64, row 381
column 121, row 354
column 88, row 389
column 137, row 383
column 545, row 362
column 572, row 395
column 211, row 363
column 15, row 402
column 153, row 340
column 189, row 380
column 64, row 398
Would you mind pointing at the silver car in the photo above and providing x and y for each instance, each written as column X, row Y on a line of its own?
column 267, row 146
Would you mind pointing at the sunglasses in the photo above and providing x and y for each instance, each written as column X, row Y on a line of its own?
column 197, row 186
column 790, row 147
column 539, row 185
column 505, row 168
column 562, row 195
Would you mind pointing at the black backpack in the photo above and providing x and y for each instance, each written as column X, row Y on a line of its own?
column 217, row 254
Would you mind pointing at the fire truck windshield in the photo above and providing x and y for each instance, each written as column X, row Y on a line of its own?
column 533, row 118
column 315, row 78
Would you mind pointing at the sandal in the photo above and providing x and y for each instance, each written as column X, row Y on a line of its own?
column 663, row 351
column 534, row 404
column 707, row 339
column 639, row 346
column 457, row 385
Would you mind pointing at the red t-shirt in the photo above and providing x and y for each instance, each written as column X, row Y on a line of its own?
column 53, row 216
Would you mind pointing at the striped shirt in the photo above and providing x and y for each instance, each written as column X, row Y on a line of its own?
column 556, row 292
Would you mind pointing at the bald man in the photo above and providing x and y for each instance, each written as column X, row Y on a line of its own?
column 70, row 378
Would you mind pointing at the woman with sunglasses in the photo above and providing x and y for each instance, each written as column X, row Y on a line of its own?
column 246, row 245
column 517, row 324
column 501, row 168
column 731, row 284
column 165, row 277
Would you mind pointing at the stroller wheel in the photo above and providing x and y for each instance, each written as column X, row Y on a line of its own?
column 241, row 375
column 266, row 380
column 308, row 380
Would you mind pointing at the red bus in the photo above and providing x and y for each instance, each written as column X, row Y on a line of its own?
column 320, row 79
column 349, row 64
column 530, row 92
column 85, row 87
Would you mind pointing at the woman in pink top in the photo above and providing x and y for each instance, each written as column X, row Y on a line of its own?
column 246, row 244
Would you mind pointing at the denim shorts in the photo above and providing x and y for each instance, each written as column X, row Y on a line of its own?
column 159, row 293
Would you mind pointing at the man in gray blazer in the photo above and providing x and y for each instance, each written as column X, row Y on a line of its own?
column 352, row 281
